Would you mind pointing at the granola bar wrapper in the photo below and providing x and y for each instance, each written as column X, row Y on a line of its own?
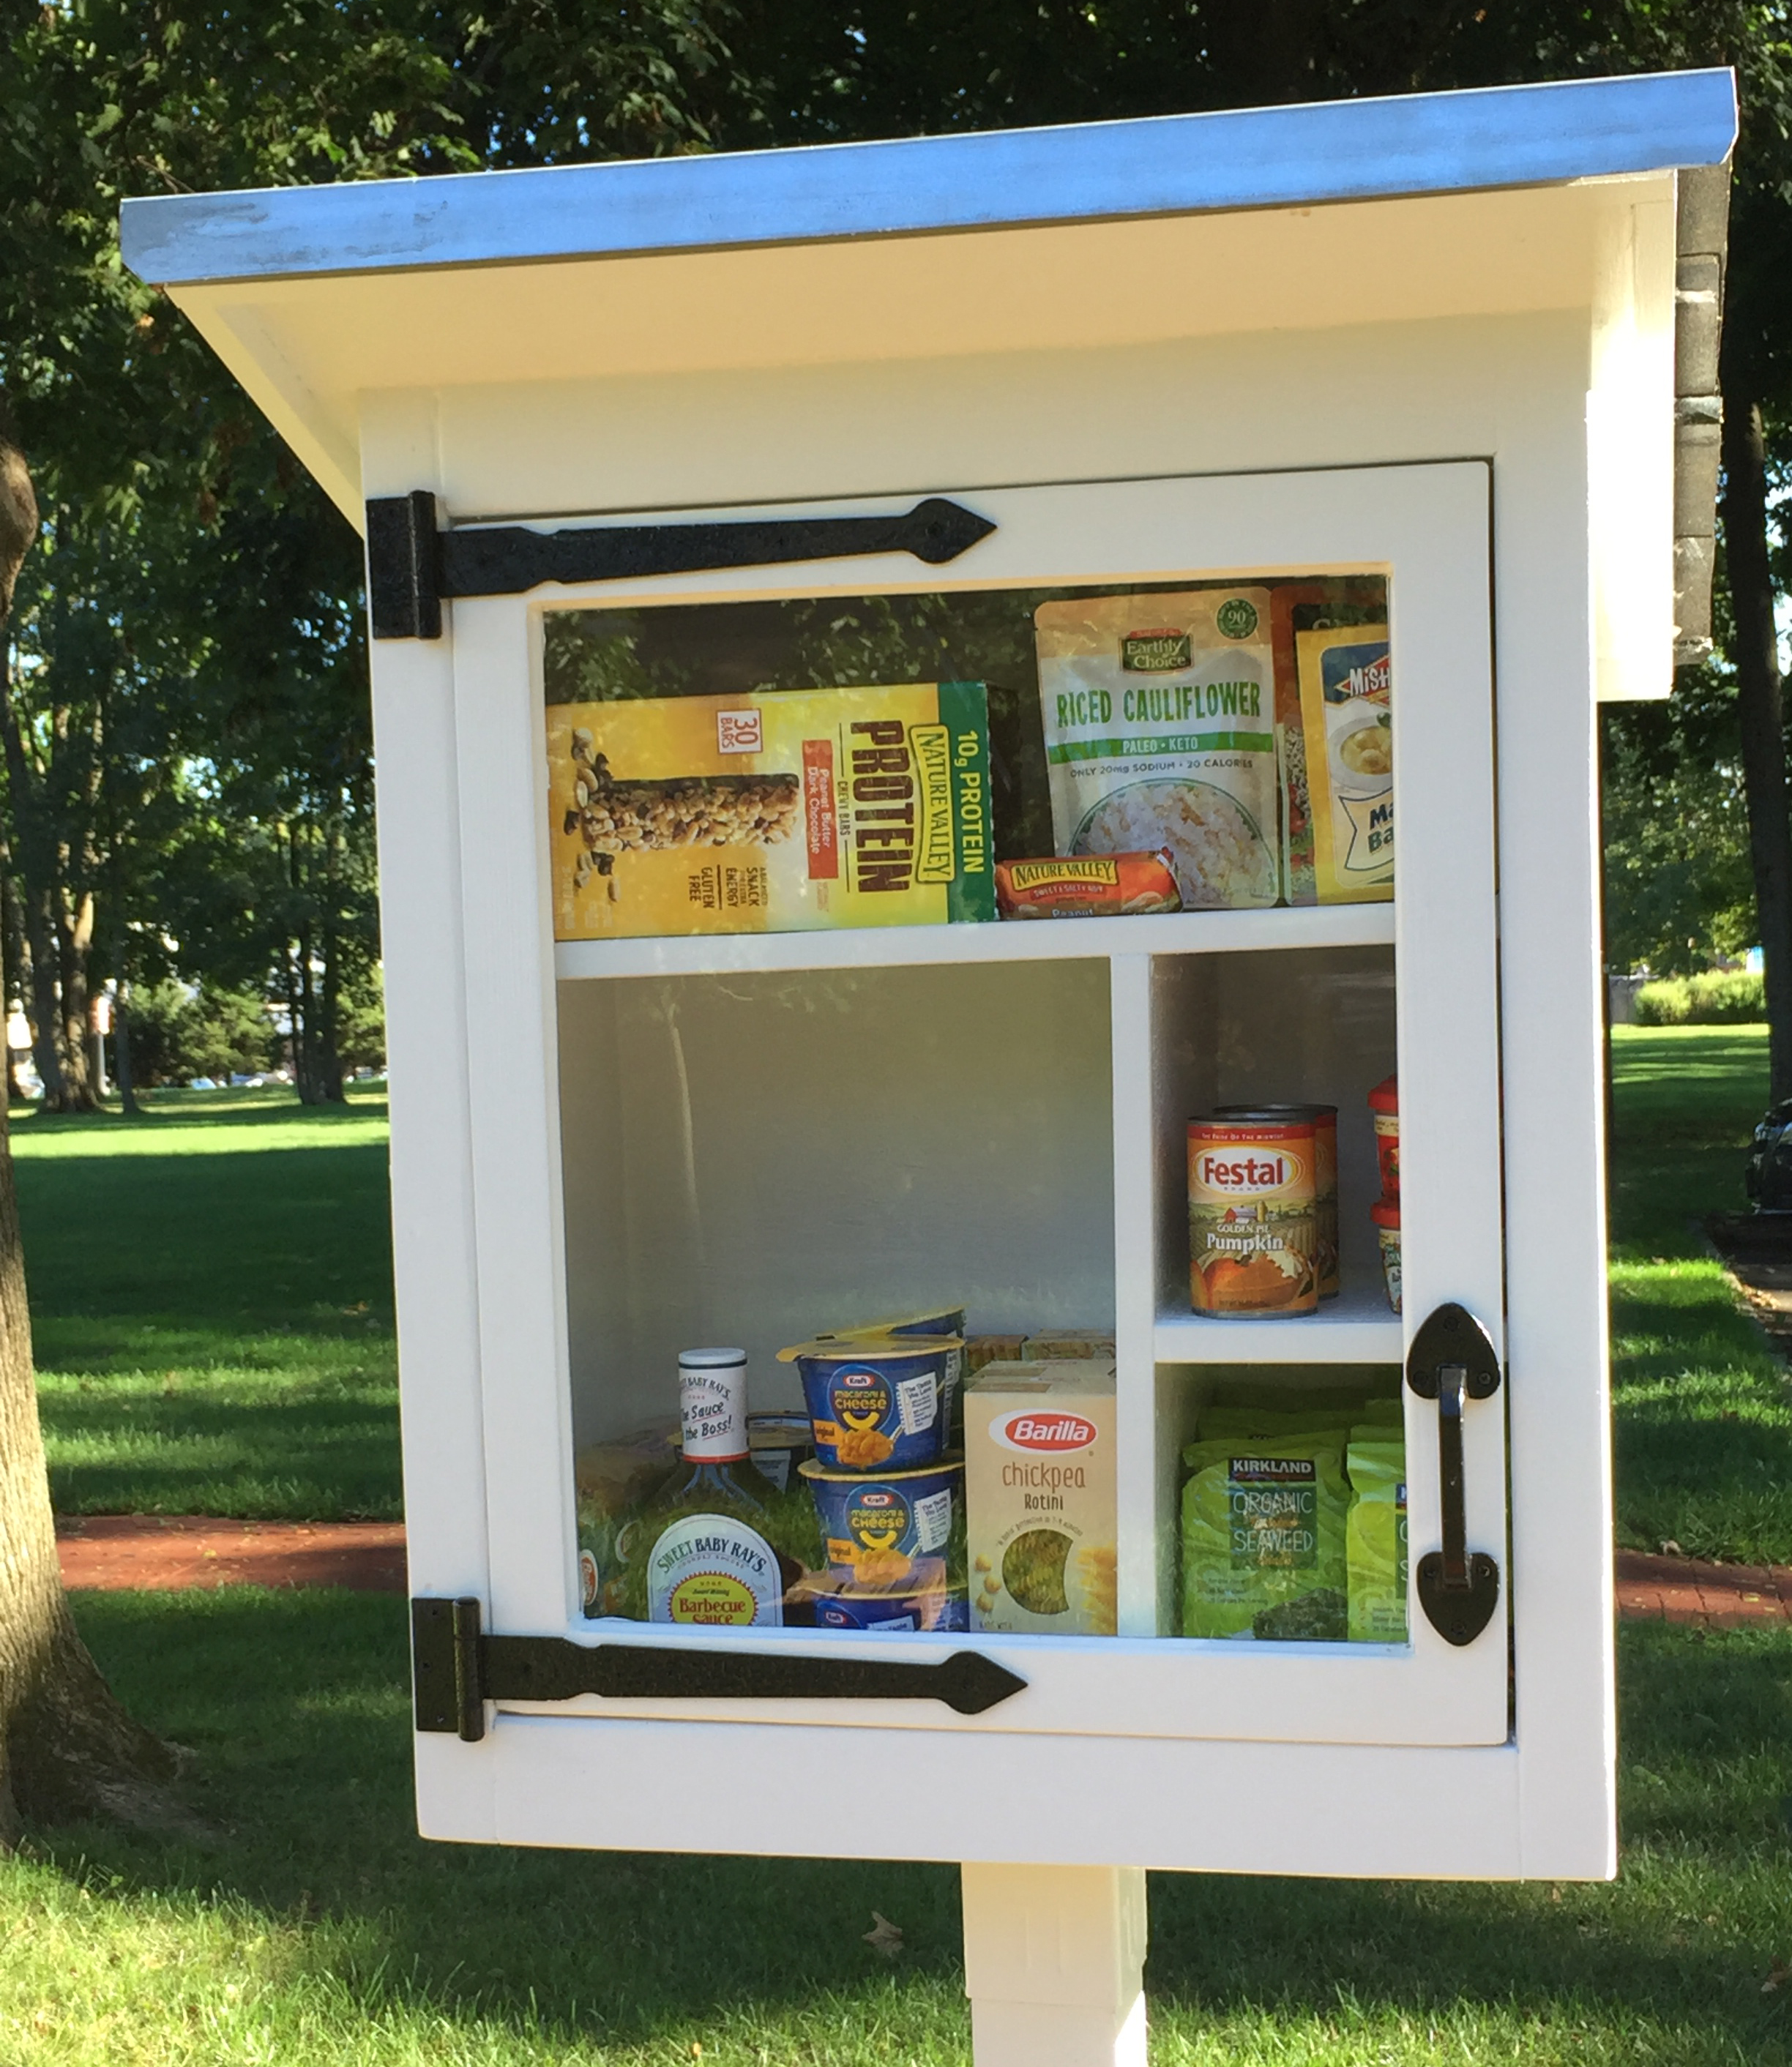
column 776, row 811
column 1093, row 886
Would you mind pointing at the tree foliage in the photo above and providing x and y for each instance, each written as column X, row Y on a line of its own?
column 187, row 777
column 186, row 671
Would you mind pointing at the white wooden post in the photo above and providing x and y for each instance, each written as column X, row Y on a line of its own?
column 1054, row 1963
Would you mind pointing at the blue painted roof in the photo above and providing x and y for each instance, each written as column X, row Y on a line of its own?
column 1276, row 157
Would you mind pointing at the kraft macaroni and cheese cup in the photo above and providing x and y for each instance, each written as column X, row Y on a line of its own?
column 880, row 1404
column 922, row 1601
column 877, row 1528
column 935, row 1321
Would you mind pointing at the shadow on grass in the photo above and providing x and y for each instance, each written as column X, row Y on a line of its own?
column 296, row 1708
column 220, row 1240
column 1703, row 1428
column 313, row 1451
column 337, row 1342
column 239, row 1108
column 1678, row 1946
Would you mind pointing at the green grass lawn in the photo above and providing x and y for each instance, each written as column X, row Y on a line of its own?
column 312, row 1928
column 306, row 1924
column 1704, row 1416
column 211, row 1306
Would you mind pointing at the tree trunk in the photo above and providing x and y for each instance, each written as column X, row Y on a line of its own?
column 328, row 1005
column 66, row 1747
column 37, row 923
column 12, row 941
column 121, row 1050
column 1759, row 706
column 329, row 1050
column 73, row 950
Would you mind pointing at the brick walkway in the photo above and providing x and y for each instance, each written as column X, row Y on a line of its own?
column 1714, row 1596
column 112, row 1552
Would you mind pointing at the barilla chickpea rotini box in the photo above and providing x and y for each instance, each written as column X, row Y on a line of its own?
column 779, row 810
column 1039, row 1498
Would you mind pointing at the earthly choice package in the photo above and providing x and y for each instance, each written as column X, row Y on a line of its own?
column 1160, row 732
column 774, row 811
column 1039, row 1496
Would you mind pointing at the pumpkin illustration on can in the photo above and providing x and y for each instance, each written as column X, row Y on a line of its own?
column 1253, row 1230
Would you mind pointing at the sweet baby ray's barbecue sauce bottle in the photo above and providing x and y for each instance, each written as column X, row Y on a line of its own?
column 712, row 1559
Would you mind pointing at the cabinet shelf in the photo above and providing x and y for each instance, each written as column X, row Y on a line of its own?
column 1356, row 1327
column 1055, row 939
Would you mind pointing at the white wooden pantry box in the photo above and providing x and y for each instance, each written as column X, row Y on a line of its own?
column 633, row 430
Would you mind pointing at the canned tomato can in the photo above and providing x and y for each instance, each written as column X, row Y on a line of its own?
column 1385, row 1103
column 1253, row 1216
column 1386, row 1214
column 1325, row 1176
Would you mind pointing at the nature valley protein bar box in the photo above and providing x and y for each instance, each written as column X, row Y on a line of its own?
column 1039, row 1498
column 776, row 811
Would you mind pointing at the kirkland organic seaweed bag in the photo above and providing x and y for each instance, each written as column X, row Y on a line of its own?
column 1375, row 1537
column 1263, row 1537
column 1159, row 728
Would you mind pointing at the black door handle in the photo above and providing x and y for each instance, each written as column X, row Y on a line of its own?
column 1452, row 1361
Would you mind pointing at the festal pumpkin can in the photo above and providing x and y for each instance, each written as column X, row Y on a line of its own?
column 1325, row 1176
column 1253, row 1216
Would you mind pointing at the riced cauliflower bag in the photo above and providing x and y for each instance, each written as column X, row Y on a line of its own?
column 1160, row 732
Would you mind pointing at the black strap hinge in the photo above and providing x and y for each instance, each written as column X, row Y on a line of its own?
column 456, row 1669
column 412, row 564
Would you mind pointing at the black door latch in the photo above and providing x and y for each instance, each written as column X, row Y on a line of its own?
column 1452, row 1361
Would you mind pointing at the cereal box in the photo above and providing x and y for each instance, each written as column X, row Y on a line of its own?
column 774, row 811
column 1039, row 1498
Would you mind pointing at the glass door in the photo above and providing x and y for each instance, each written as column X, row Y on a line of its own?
column 1061, row 1250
